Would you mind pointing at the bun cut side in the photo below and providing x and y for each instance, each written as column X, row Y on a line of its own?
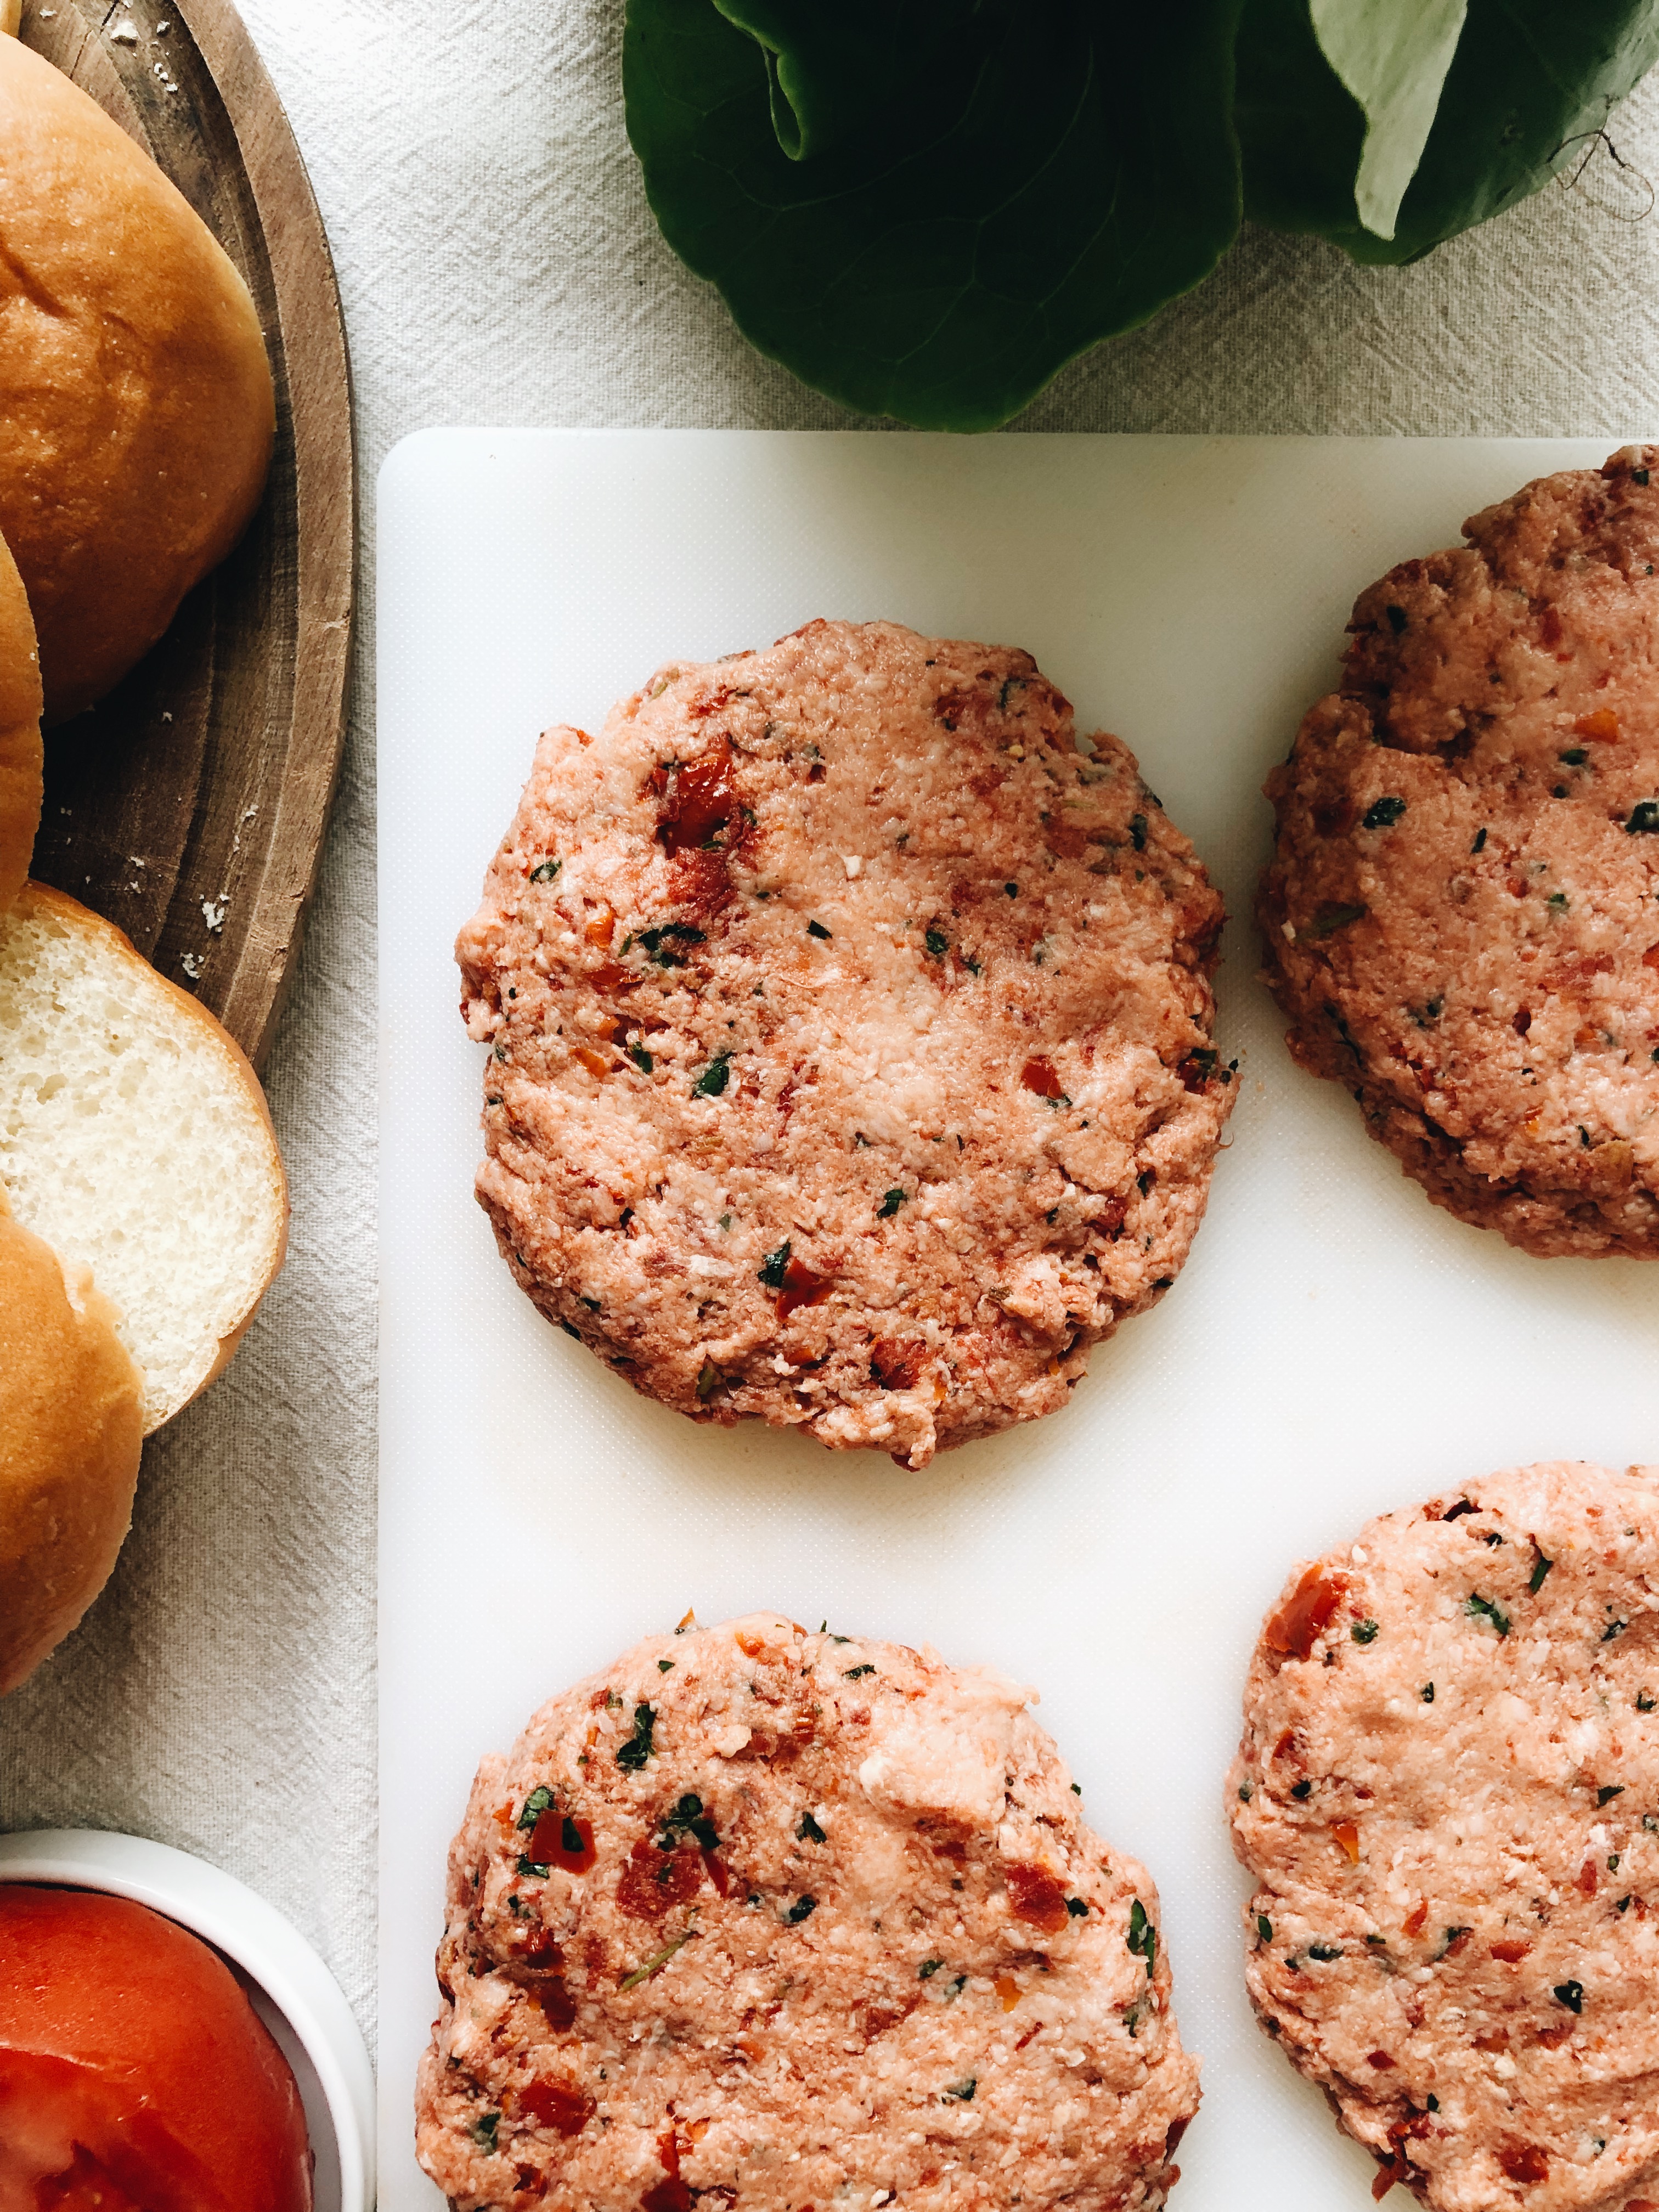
column 21, row 756
column 71, row 1428
column 134, row 1137
column 137, row 408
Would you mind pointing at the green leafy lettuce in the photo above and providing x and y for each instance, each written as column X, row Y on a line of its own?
column 1525, row 84
column 925, row 207
column 1048, row 175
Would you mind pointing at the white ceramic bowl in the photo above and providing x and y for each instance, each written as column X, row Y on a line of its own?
column 291, row 1989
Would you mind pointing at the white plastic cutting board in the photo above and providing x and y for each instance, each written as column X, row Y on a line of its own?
column 1335, row 1346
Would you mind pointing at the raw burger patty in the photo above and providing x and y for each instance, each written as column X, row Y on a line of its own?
column 1448, row 1794
column 796, row 1923
column 852, row 1025
column 1462, row 917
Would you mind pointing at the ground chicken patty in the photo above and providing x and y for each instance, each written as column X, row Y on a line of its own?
column 786, row 1922
column 1448, row 1793
column 1462, row 916
column 851, row 1039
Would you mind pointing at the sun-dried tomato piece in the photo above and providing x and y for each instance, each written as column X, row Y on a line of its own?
column 1348, row 1836
column 1305, row 1614
column 802, row 1286
column 1413, row 1923
column 1602, row 725
column 698, row 799
column 1524, row 2163
column 1039, row 1075
column 560, row 1839
column 1036, row 1898
column 896, row 1366
column 557, row 2005
column 653, row 1880
column 670, row 2195
column 1512, row 1950
column 557, row 2105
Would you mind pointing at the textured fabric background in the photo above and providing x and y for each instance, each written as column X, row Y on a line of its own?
column 498, row 265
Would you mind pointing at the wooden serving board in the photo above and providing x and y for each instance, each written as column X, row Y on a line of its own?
column 189, row 806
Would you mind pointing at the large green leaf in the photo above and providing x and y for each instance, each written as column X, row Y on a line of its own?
column 1052, row 174
column 1528, row 80
column 828, row 68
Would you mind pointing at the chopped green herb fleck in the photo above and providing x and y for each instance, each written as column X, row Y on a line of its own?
column 1609, row 1791
column 1643, row 815
column 1571, row 1994
column 964, row 2091
column 687, row 1819
column 1012, row 889
column 816, row 929
column 1245, row 1793
column 708, row 1381
column 1646, row 1701
column 535, row 1805
column 665, row 1666
column 1264, row 1928
column 1558, row 900
column 1364, row 1631
column 1324, row 1953
column 1541, row 1570
column 1302, row 1792
column 1137, row 832
column 632, row 1756
column 1382, row 813
column 655, row 1964
column 532, row 1869
column 1613, row 1628
column 1428, row 1693
column 927, row 1969
column 1479, row 844
column 774, row 1267
column 1076, row 1790
column 545, row 872
column 808, row 1831
column 852, row 1673
column 890, row 1204
column 1076, row 1908
column 482, row 2130
column 1638, row 476
column 1331, row 918
column 1142, row 1937
column 1482, row 1609
column 641, row 1058
column 937, row 942
column 1453, row 1935
column 1433, row 2102
column 802, row 1909
column 1574, row 756
column 715, row 1078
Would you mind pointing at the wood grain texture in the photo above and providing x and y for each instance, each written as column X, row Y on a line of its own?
column 189, row 806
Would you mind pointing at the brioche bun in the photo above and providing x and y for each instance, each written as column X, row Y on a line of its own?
column 71, row 1427
column 19, row 731
column 135, row 1138
column 137, row 408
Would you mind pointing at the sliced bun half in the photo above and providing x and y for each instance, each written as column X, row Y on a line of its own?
column 19, row 731
column 71, row 1429
column 137, row 408
column 134, row 1137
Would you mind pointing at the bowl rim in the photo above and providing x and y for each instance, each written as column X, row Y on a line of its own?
column 239, row 1922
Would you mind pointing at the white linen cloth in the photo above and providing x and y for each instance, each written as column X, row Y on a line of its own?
column 498, row 265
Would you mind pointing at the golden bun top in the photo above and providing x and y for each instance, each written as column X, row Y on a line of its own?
column 137, row 408
column 71, row 1427
column 19, row 731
